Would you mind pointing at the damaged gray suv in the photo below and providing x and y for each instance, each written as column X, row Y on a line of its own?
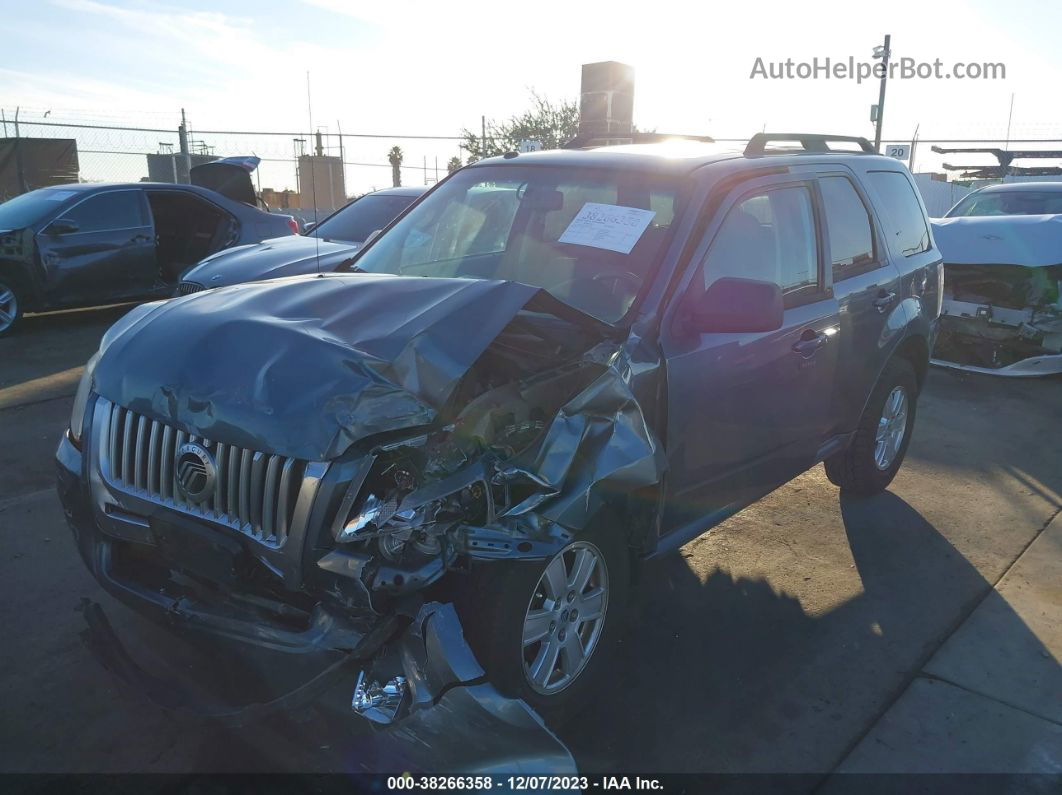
column 449, row 460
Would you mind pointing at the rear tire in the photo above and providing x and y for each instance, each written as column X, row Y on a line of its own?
column 877, row 450
column 11, row 305
column 504, row 601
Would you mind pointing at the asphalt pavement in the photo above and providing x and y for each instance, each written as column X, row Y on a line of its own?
column 919, row 630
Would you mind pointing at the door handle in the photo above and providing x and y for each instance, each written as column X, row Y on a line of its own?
column 140, row 239
column 809, row 342
column 881, row 303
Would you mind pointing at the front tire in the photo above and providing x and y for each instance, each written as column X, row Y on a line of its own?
column 11, row 303
column 545, row 630
column 877, row 450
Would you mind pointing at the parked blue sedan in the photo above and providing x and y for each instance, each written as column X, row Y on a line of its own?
column 91, row 244
column 324, row 247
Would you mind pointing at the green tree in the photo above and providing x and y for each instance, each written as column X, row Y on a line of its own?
column 453, row 165
column 394, row 157
column 550, row 123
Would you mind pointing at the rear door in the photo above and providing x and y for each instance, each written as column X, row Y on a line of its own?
column 866, row 286
column 747, row 411
column 110, row 255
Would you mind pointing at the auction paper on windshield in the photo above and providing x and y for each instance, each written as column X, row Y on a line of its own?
column 607, row 226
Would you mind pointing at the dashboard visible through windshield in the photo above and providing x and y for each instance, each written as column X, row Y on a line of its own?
column 590, row 237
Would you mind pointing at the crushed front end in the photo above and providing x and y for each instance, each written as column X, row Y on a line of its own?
column 1001, row 319
column 185, row 509
column 1002, row 307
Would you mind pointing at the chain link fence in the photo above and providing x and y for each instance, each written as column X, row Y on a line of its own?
column 290, row 173
column 301, row 172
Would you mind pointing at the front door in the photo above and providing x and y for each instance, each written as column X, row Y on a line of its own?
column 106, row 251
column 747, row 411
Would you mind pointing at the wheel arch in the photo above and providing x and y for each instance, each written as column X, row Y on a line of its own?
column 22, row 279
column 915, row 349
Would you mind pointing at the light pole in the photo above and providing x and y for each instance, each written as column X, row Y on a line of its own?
column 881, row 52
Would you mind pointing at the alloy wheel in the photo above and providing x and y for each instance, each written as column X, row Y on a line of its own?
column 892, row 426
column 8, row 307
column 565, row 617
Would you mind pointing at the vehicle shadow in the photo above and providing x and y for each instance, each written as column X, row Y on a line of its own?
column 727, row 674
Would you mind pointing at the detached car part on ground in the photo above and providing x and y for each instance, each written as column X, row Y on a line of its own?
column 1002, row 309
column 90, row 244
column 475, row 436
column 323, row 248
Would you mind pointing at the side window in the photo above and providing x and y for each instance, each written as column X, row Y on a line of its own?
column 121, row 209
column 770, row 237
column 909, row 229
column 848, row 222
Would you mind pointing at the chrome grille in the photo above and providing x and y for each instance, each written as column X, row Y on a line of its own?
column 254, row 492
column 187, row 288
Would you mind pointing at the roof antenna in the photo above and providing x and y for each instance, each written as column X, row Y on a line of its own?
column 313, row 177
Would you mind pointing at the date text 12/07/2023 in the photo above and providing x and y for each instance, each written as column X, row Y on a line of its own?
column 523, row 783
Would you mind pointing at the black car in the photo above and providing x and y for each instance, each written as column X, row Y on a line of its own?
column 322, row 248
column 90, row 244
column 554, row 366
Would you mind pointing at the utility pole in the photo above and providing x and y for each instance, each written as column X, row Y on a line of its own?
column 342, row 161
column 1006, row 147
column 186, row 158
column 483, row 123
column 882, row 53
column 18, row 155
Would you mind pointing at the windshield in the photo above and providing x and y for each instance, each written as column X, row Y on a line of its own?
column 361, row 218
column 27, row 209
column 590, row 237
column 1019, row 202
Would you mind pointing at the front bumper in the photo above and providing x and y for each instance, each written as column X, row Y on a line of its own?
column 451, row 719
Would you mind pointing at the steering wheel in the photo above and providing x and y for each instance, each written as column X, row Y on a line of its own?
column 608, row 301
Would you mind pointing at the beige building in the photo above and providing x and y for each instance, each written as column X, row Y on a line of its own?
column 321, row 182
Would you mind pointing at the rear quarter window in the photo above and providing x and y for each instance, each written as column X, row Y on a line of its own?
column 905, row 223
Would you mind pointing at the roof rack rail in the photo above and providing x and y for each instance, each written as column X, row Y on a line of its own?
column 811, row 142
column 580, row 141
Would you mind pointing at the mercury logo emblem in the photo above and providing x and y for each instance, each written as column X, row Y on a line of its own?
column 195, row 470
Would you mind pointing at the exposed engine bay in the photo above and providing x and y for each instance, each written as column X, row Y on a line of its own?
column 428, row 499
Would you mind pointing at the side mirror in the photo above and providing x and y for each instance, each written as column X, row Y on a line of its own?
column 308, row 227
column 736, row 305
column 61, row 226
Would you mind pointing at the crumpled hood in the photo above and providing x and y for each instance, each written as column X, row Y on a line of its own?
column 292, row 255
column 306, row 366
column 1033, row 241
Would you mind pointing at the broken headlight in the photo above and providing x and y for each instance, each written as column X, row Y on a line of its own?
column 84, row 389
column 412, row 497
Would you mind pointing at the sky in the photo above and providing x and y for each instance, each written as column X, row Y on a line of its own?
column 431, row 68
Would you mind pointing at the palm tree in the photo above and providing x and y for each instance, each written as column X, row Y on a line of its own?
column 395, row 158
